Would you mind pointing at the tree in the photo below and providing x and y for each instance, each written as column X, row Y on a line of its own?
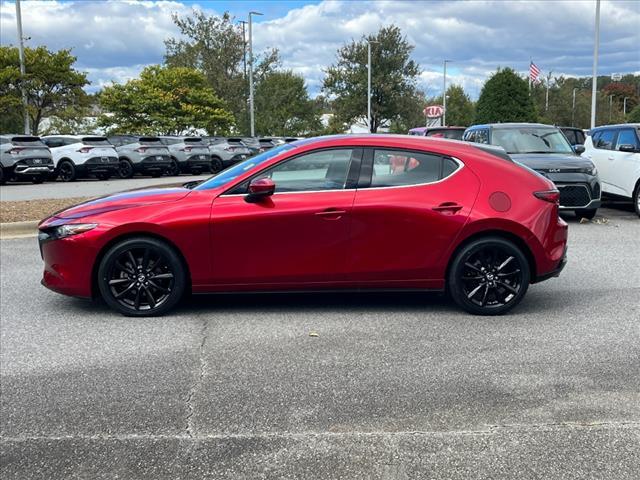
column 216, row 47
column 411, row 113
column 283, row 106
column 460, row 108
column 394, row 77
column 505, row 98
column 634, row 115
column 164, row 101
column 51, row 82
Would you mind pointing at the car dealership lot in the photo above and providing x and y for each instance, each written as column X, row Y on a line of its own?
column 392, row 386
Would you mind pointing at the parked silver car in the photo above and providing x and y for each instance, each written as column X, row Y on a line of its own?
column 24, row 157
column 225, row 153
column 141, row 154
column 188, row 155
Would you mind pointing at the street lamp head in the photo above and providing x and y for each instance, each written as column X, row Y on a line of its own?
column 255, row 13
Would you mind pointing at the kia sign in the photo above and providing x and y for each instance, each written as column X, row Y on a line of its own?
column 616, row 77
column 433, row 111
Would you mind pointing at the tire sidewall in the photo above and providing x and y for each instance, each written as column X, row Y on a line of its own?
column 636, row 195
column 173, row 259
column 129, row 173
column 455, row 286
column 72, row 168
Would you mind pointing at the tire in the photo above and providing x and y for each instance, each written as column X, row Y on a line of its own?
column 588, row 214
column 174, row 169
column 67, row 171
column 216, row 164
column 3, row 178
column 141, row 277
column 478, row 281
column 636, row 199
column 125, row 168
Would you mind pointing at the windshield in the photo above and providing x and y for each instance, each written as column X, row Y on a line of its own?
column 531, row 140
column 238, row 169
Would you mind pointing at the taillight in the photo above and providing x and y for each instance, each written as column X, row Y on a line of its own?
column 141, row 149
column 85, row 149
column 15, row 151
column 186, row 149
column 551, row 196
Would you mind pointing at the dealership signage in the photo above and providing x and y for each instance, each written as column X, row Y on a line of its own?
column 433, row 111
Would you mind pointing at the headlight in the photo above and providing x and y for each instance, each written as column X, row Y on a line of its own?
column 592, row 170
column 63, row 231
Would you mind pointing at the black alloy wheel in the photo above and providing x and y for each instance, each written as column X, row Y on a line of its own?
column 216, row 165
column 66, row 171
column 174, row 168
column 489, row 276
column 141, row 277
column 125, row 168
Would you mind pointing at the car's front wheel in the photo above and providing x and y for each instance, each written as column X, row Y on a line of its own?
column 216, row 164
column 141, row 277
column 489, row 276
column 636, row 199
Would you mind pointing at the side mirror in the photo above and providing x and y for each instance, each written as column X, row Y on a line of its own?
column 260, row 188
column 578, row 149
column 627, row 148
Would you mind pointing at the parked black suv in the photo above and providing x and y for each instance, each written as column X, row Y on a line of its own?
column 545, row 149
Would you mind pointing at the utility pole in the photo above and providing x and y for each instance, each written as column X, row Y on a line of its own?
column 251, row 114
column 25, row 104
column 546, row 101
column 369, row 119
column 594, row 76
column 244, row 61
column 610, row 106
column 573, row 108
column 444, row 94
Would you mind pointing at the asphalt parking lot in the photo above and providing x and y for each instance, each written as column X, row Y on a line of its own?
column 393, row 386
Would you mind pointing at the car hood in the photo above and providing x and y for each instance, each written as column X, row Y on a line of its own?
column 542, row 161
column 120, row 201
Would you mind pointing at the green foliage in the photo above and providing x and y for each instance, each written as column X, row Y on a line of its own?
column 166, row 101
column 215, row 46
column 505, row 98
column 460, row 108
column 634, row 115
column 51, row 83
column 394, row 77
column 283, row 106
column 411, row 113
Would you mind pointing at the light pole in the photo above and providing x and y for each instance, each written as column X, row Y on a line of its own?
column 27, row 128
column 369, row 42
column 251, row 114
column 610, row 106
column 594, row 76
column 546, row 101
column 573, row 108
column 624, row 105
column 444, row 94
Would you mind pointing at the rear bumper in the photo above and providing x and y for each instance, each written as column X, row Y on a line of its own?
column 235, row 159
column 33, row 171
column 153, row 164
column 555, row 272
column 99, row 165
column 199, row 162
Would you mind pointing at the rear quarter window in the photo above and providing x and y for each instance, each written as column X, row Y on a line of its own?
column 396, row 168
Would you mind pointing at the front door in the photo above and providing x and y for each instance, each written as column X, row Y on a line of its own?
column 296, row 238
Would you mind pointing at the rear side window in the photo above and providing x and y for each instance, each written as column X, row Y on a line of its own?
column 604, row 139
column 150, row 140
column 626, row 137
column 482, row 136
column 395, row 168
column 53, row 142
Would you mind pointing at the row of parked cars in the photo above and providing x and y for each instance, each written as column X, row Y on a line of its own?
column 583, row 165
column 69, row 157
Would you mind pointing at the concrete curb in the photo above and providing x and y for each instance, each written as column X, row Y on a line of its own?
column 18, row 229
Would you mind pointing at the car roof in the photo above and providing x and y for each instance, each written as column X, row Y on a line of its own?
column 618, row 125
column 511, row 125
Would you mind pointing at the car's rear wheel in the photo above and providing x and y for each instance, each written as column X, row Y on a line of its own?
column 216, row 165
column 588, row 214
column 174, row 168
column 141, row 277
column 636, row 199
column 489, row 276
column 125, row 168
column 66, row 171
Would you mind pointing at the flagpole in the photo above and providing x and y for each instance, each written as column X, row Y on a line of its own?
column 530, row 62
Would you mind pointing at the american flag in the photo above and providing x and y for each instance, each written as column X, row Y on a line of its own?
column 534, row 72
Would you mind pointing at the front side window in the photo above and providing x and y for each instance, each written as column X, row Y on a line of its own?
column 626, row 137
column 315, row 171
column 395, row 168
column 604, row 141
column 531, row 140
column 482, row 136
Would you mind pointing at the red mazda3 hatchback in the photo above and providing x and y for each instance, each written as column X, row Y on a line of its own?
column 342, row 212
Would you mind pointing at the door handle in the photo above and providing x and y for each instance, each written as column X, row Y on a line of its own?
column 610, row 158
column 331, row 214
column 448, row 207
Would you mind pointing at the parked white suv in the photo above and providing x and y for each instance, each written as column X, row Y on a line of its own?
column 615, row 151
column 77, row 156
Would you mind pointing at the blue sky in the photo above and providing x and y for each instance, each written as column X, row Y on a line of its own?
column 115, row 39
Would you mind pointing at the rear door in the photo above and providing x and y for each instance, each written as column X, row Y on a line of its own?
column 603, row 157
column 408, row 209
column 624, row 166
